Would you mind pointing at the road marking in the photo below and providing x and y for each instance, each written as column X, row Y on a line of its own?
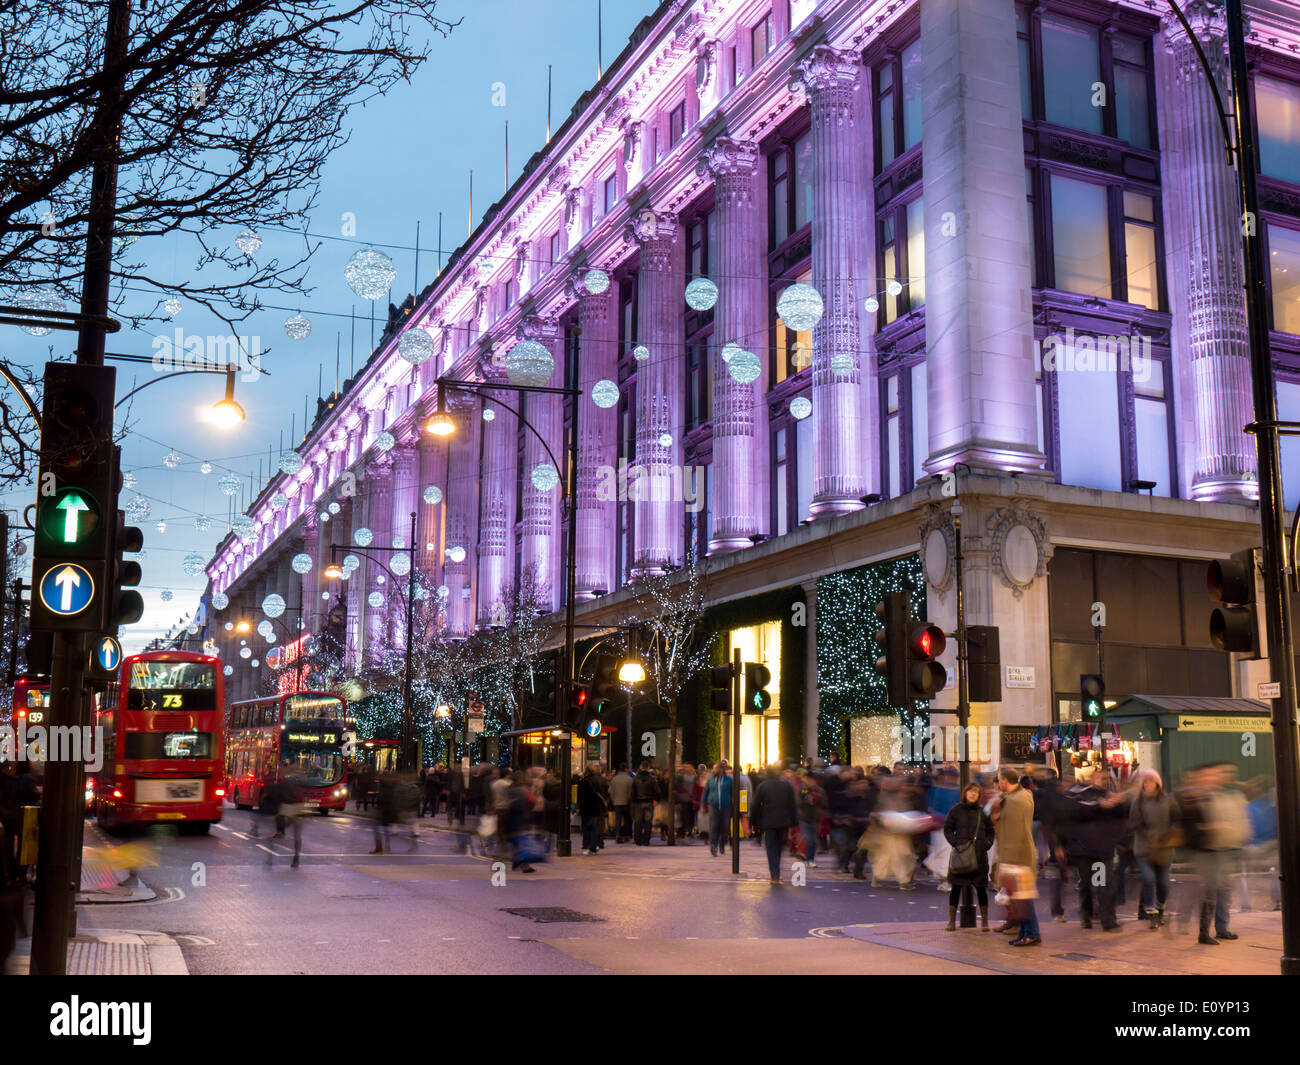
column 512, row 937
column 383, row 940
column 251, row 944
column 449, row 939
column 320, row 943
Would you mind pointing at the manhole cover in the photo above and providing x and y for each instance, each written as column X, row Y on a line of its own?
column 551, row 914
column 1075, row 957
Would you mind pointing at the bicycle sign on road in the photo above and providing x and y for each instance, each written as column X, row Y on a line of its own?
column 67, row 589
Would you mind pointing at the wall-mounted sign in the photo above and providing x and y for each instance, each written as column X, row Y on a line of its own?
column 1020, row 677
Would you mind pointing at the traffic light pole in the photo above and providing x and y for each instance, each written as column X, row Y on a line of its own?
column 963, row 705
column 736, row 670
column 1286, row 740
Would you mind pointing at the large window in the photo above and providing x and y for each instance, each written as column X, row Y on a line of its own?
column 761, row 40
column 790, row 183
column 1277, row 116
column 792, row 351
column 676, row 124
column 898, row 104
column 1075, row 74
column 1284, row 275
column 901, row 252
column 611, row 192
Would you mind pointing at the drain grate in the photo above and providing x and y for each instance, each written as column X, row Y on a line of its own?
column 1075, row 957
column 551, row 914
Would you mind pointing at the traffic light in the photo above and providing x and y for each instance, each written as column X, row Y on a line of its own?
column 757, row 678
column 123, row 607
column 984, row 662
column 544, row 695
column 1234, row 625
column 720, row 678
column 925, row 676
column 577, row 699
column 76, row 499
column 894, row 612
column 604, row 684
column 1092, row 695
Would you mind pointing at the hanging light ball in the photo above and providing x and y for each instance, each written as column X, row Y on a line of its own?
column 421, row 592
column 138, row 508
column 245, row 528
column 245, row 652
column 604, row 393
column 40, row 301
column 273, row 605
column 443, row 591
column 800, row 307
column 290, row 463
column 265, row 627
column 297, row 327
column 370, row 273
column 744, row 367
column 161, row 526
column 894, row 287
column 640, row 353
column 375, row 599
column 229, row 484
column 202, row 523
column 544, row 477
column 701, row 294
column 351, row 563
column 279, row 501
column 228, row 670
column 729, row 351
column 399, row 542
column 220, row 601
column 205, row 468
column 800, row 408
column 415, row 346
column 363, row 537
column 385, row 441
column 596, row 282
column 172, row 307
column 665, row 439
column 172, row 459
column 166, row 595
column 229, row 625
column 842, row 362
column 489, row 414
column 128, row 480
column 485, row 266
column 192, row 564
column 254, row 663
column 433, row 495
column 529, row 363
column 871, row 304
column 400, row 565
column 323, row 515
column 456, row 554
column 334, row 508
column 380, row 579
column 248, row 242
column 301, row 562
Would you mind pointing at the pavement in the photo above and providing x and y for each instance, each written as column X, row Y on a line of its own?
column 232, row 903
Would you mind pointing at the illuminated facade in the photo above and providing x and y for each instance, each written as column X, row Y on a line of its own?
column 1025, row 241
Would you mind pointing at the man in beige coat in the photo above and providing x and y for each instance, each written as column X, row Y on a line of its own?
column 1017, row 855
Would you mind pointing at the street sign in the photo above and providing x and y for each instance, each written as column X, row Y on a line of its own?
column 595, row 727
column 1271, row 689
column 108, row 653
column 67, row 589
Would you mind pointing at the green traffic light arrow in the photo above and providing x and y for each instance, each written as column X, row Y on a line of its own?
column 71, row 505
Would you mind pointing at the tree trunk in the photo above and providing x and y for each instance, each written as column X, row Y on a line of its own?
column 672, row 772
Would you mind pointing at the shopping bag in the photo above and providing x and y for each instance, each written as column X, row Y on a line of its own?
column 529, row 847
column 487, row 826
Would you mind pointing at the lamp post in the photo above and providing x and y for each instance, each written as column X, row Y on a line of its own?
column 440, row 424
column 335, row 572
column 630, row 674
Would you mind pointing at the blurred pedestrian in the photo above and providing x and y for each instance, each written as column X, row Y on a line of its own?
column 968, row 830
column 716, row 807
column 812, row 804
column 645, row 793
column 775, row 808
column 1096, row 820
column 1017, row 857
column 620, row 793
column 1153, row 818
column 591, row 809
column 1216, row 825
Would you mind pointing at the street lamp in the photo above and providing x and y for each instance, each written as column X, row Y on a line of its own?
column 631, row 672
column 226, row 412
column 242, row 625
column 334, row 572
column 440, row 424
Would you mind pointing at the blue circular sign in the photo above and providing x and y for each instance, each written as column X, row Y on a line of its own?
column 594, row 728
column 67, row 589
column 108, row 653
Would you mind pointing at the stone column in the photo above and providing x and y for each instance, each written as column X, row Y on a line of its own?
column 659, row 394
column 541, row 545
column 404, row 505
column 496, row 549
column 354, row 588
column 379, row 514
column 433, row 474
column 739, row 417
column 1211, row 354
column 979, row 311
column 597, row 443
column 462, row 513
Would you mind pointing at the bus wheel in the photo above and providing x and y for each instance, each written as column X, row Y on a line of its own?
column 196, row 828
column 324, row 812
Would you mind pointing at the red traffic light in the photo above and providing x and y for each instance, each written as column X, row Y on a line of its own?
column 928, row 641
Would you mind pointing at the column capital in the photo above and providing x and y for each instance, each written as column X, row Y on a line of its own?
column 1209, row 23
column 830, row 75
column 651, row 226
column 727, row 157
column 535, row 327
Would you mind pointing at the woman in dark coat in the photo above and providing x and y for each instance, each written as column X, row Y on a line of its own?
column 967, row 821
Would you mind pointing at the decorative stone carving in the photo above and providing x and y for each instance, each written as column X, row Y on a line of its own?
column 706, row 66
column 1018, row 547
column 572, row 208
column 732, row 164
column 832, row 76
column 631, row 143
column 938, row 537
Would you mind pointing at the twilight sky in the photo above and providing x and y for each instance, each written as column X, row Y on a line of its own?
column 408, row 159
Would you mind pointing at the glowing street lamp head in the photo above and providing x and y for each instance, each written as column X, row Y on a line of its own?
column 442, row 711
column 242, row 626
column 226, row 413
column 333, row 572
column 440, row 424
column 631, row 672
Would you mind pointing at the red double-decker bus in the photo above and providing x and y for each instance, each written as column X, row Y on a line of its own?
column 299, row 734
column 30, row 706
column 162, row 742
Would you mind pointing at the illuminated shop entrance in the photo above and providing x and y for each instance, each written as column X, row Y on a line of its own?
column 760, row 734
